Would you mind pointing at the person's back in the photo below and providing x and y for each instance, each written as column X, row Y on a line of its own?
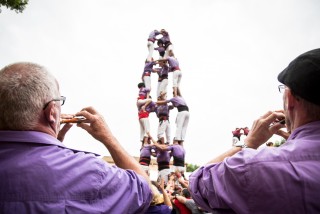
column 273, row 180
column 45, row 177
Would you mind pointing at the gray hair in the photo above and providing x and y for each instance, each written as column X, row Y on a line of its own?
column 24, row 90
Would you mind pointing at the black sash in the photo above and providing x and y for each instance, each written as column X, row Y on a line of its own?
column 182, row 108
column 145, row 161
column 178, row 161
column 163, row 165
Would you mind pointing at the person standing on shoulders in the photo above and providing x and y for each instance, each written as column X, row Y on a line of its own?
column 183, row 116
column 151, row 39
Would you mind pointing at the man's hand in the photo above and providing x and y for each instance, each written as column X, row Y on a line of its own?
column 65, row 128
column 63, row 131
column 95, row 124
column 283, row 134
column 263, row 128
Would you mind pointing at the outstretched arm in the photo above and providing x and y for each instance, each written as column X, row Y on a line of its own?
column 166, row 198
column 156, row 144
column 262, row 129
column 161, row 102
column 161, row 146
column 98, row 128
column 162, row 60
column 151, row 138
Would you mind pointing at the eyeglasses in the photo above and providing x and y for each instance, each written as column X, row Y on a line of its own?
column 281, row 88
column 62, row 99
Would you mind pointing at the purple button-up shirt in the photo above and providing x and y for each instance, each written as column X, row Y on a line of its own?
column 283, row 179
column 38, row 174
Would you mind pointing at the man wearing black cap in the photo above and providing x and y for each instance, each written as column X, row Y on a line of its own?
column 285, row 179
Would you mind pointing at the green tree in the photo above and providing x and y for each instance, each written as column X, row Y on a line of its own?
column 192, row 167
column 16, row 5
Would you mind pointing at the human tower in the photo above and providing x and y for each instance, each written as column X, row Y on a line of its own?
column 166, row 65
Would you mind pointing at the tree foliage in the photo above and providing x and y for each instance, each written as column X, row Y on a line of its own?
column 16, row 5
column 192, row 167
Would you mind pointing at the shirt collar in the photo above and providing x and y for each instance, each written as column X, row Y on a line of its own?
column 33, row 137
column 305, row 130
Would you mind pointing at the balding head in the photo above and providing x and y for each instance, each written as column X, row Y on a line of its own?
column 24, row 89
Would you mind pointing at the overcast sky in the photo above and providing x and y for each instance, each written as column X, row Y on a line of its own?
column 230, row 54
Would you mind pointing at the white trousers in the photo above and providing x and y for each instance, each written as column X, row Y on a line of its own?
column 147, row 82
column 146, row 169
column 181, row 169
column 235, row 140
column 169, row 48
column 182, row 122
column 144, row 127
column 177, row 75
column 150, row 46
column 164, row 174
column 162, row 86
column 164, row 130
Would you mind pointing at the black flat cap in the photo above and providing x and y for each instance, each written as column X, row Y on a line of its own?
column 302, row 76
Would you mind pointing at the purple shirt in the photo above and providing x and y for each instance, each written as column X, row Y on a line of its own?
column 148, row 68
column 146, row 150
column 151, row 107
column 162, row 110
column 177, row 101
column 173, row 62
column 164, row 71
column 163, row 156
column 152, row 35
column 283, row 179
column 143, row 91
column 177, row 151
column 161, row 50
column 38, row 174
column 159, row 209
column 165, row 38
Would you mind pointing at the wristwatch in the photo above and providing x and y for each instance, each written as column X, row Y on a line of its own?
column 242, row 145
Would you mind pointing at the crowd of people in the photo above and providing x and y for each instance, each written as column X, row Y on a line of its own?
column 39, row 174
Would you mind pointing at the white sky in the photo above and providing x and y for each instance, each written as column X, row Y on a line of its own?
column 230, row 53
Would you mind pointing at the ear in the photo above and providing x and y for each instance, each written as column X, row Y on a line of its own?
column 51, row 115
column 291, row 100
